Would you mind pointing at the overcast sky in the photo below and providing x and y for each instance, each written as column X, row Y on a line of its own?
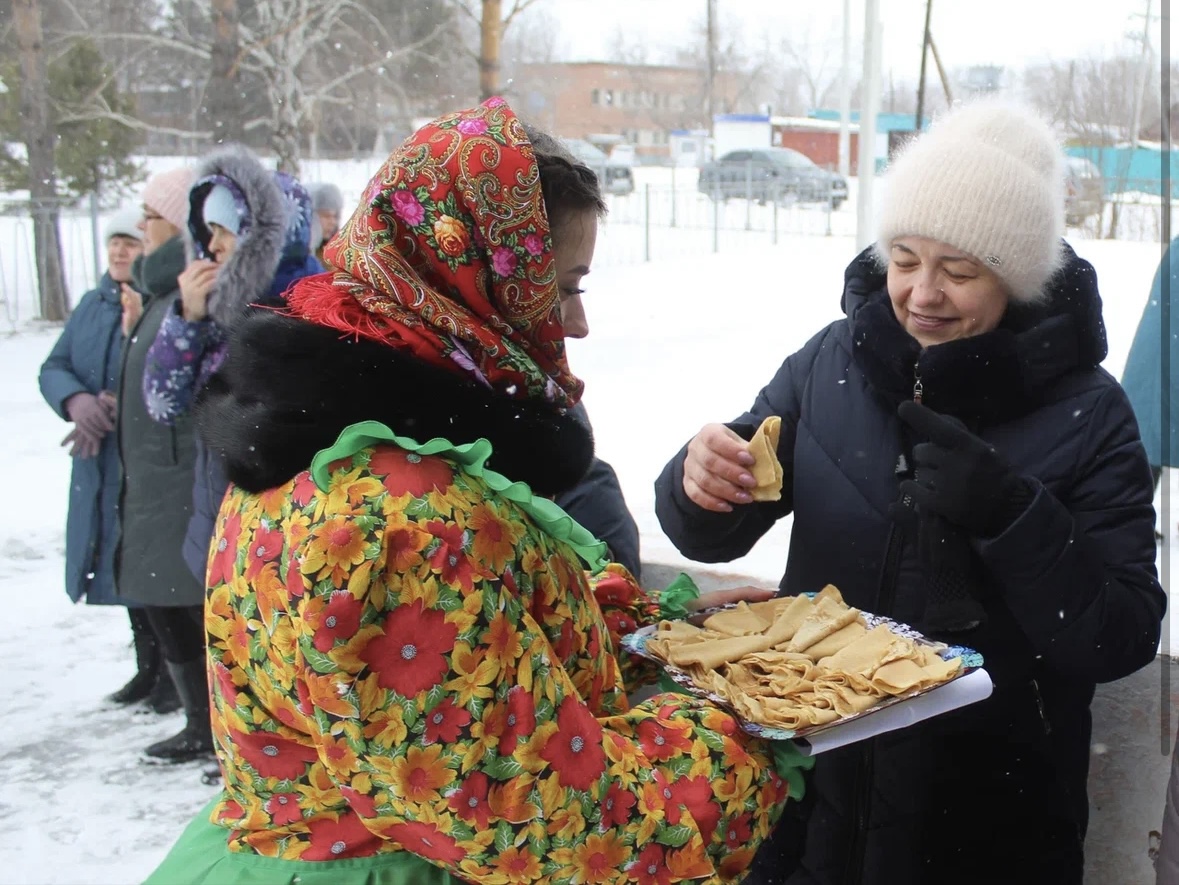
column 966, row 32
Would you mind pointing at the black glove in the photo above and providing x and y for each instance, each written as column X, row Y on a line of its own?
column 89, row 414
column 959, row 477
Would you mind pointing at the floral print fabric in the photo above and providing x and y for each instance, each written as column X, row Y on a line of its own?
column 402, row 660
column 179, row 361
column 450, row 256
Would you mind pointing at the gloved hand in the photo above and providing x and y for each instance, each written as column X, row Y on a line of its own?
column 790, row 764
column 82, row 444
column 85, row 410
column 959, row 477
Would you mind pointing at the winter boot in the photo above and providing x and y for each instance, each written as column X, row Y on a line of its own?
column 195, row 740
column 147, row 661
column 163, row 698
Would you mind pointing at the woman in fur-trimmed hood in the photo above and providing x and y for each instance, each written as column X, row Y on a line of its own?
column 248, row 240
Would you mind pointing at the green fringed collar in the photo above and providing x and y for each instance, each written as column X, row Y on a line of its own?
column 473, row 457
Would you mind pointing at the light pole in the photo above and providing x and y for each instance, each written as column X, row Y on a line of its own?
column 869, row 102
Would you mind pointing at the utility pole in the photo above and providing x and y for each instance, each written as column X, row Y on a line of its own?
column 845, row 95
column 710, row 94
column 921, row 76
column 869, row 102
column 1140, row 79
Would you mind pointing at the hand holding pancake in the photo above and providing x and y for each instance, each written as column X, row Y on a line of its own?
column 721, row 469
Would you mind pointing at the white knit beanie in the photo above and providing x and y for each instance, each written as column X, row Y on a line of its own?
column 124, row 223
column 987, row 178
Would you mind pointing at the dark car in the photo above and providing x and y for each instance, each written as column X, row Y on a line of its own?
column 1084, row 193
column 767, row 174
column 613, row 176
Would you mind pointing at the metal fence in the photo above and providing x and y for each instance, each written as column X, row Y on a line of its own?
column 83, row 260
column 665, row 218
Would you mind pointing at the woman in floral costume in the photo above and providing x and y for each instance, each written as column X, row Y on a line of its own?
column 413, row 651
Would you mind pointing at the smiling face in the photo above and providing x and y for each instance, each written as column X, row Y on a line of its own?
column 573, row 250
column 121, row 252
column 940, row 293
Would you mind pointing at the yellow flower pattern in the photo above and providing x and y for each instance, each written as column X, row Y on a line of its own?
column 430, row 671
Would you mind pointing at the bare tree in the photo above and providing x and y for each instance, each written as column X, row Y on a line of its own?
column 1091, row 100
column 223, row 112
column 493, row 23
column 38, row 135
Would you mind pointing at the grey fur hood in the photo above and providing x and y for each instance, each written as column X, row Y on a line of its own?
column 248, row 273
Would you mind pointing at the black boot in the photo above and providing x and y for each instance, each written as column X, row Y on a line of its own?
column 195, row 740
column 147, row 661
column 163, row 698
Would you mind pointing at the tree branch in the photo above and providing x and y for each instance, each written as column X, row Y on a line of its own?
column 518, row 6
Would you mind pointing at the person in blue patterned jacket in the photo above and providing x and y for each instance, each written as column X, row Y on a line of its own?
column 249, row 239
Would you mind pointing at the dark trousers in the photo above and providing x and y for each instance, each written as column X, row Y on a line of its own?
column 180, row 631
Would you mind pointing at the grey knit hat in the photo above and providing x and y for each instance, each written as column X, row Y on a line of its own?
column 326, row 197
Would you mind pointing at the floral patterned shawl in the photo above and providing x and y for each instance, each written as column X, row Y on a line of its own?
column 450, row 257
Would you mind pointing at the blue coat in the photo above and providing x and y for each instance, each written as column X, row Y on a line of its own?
column 1143, row 375
column 88, row 358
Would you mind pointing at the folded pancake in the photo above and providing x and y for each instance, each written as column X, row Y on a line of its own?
column 766, row 469
column 789, row 619
column 863, row 656
column 906, row 675
column 841, row 638
column 713, row 653
column 827, row 617
column 739, row 621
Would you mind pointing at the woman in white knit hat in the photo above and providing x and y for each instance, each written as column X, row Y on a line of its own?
column 79, row 380
column 955, row 458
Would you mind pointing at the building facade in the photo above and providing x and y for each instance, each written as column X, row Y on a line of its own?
column 607, row 102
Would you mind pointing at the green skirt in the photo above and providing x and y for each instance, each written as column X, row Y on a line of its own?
column 202, row 857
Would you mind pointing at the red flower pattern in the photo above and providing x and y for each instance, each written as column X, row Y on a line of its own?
column 408, row 473
column 427, row 840
column 410, row 655
column 340, row 619
column 265, row 547
column 225, row 546
column 283, row 808
column 273, row 756
column 445, row 722
column 575, row 752
column 336, row 839
column 469, row 802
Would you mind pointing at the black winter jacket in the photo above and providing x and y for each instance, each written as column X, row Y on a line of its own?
column 995, row 792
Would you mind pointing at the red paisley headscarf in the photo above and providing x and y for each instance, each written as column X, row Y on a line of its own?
column 450, row 257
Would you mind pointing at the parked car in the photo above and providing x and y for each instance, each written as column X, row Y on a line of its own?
column 1084, row 193
column 614, row 177
column 768, row 174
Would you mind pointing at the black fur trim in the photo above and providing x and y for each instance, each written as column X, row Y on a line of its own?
column 991, row 377
column 287, row 388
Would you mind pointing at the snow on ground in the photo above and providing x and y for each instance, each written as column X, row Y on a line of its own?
column 686, row 339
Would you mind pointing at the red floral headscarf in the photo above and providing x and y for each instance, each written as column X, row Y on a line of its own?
column 451, row 258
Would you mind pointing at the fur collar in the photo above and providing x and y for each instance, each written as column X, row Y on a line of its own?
column 288, row 387
column 993, row 377
column 246, row 277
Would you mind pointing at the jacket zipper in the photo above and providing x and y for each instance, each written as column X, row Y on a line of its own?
column 865, row 766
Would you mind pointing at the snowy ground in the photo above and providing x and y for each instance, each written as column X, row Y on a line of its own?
column 675, row 343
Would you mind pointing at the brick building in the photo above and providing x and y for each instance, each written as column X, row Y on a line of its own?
column 603, row 101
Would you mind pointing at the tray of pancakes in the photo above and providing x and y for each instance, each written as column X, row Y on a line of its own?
column 796, row 666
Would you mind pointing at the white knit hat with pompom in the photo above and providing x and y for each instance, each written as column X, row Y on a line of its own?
column 986, row 178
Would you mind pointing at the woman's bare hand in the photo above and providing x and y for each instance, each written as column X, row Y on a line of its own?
column 716, row 471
